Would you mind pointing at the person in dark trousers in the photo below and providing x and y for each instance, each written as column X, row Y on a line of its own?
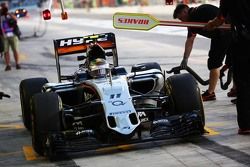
column 233, row 91
column 220, row 41
column 7, row 34
column 239, row 14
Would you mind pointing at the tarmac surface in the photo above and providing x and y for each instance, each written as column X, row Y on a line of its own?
column 220, row 147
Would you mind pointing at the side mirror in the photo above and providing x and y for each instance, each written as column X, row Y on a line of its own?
column 46, row 14
column 21, row 13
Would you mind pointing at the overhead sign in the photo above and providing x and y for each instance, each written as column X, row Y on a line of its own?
column 140, row 21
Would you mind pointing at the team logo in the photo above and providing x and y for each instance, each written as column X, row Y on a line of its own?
column 118, row 103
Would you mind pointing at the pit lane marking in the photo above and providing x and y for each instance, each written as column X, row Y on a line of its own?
column 30, row 154
column 23, row 56
column 210, row 132
column 12, row 126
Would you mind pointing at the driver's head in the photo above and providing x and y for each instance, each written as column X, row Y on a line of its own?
column 181, row 12
column 98, row 68
column 95, row 51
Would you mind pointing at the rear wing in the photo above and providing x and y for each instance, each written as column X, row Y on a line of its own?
column 74, row 45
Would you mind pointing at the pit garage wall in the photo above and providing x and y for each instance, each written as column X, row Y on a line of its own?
column 20, row 3
column 99, row 3
column 111, row 3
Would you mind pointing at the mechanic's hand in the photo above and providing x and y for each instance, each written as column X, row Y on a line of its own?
column 209, row 26
column 184, row 63
column 212, row 24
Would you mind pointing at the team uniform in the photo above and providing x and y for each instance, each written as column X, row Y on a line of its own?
column 239, row 13
column 220, row 39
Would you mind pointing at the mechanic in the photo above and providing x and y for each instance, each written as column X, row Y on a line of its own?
column 233, row 90
column 239, row 13
column 220, row 41
column 8, row 36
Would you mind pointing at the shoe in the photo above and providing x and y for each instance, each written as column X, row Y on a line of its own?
column 208, row 96
column 244, row 131
column 18, row 67
column 8, row 68
column 232, row 93
column 234, row 101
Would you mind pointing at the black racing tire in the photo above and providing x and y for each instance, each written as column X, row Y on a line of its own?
column 45, row 119
column 27, row 89
column 184, row 95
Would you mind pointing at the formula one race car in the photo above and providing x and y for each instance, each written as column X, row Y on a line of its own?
column 102, row 105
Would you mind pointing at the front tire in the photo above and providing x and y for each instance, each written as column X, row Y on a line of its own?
column 184, row 95
column 27, row 89
column 45, row 119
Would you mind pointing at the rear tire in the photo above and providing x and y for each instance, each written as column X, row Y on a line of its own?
column 45, row 119
column 184, row 95
column 27, row 89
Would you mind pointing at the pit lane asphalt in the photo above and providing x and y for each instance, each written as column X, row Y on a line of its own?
column 222, row 146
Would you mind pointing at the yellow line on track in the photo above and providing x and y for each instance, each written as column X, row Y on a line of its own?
column 29, row 153
column 12, row 126
column 23, row 56
column 211, row 132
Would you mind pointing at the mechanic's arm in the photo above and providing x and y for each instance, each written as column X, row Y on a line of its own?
column 188, row 49
column 216, row 22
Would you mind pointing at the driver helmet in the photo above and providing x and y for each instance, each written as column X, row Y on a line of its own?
column 98, row 68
